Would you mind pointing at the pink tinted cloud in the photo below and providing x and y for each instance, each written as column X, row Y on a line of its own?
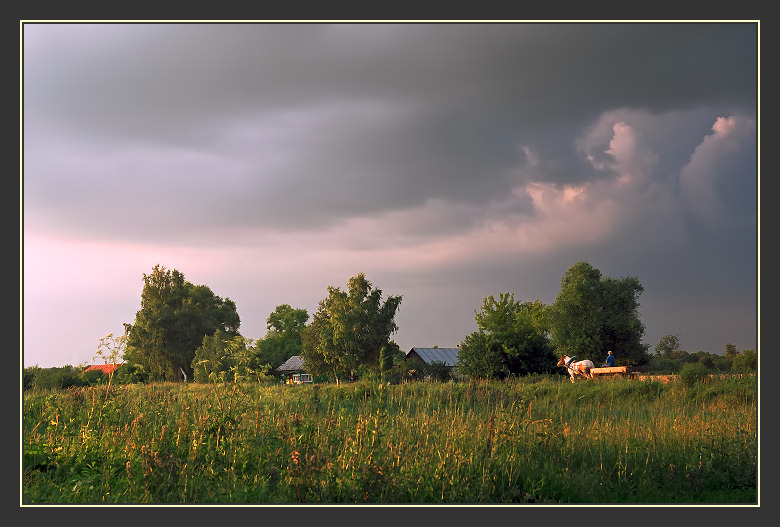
column 560, row 217
column 563, row 215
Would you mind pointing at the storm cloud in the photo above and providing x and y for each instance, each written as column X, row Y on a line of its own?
column 448, row 161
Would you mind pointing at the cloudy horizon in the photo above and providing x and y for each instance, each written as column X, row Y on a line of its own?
column 447, row 162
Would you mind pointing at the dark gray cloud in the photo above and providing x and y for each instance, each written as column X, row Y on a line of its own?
column 470, row 157
column 335, row 120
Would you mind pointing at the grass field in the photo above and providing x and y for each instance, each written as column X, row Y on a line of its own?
column 539, row 440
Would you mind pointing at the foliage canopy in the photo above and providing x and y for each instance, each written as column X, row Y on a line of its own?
column 510, row 340
column 223, row 358
column 174, row 317
column 593, row 314
column 283, row 339
column 350, row 330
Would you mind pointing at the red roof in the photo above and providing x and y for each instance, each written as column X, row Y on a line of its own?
column 105, row 368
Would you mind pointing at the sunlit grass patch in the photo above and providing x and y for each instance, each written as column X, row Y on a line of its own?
column 528, row 440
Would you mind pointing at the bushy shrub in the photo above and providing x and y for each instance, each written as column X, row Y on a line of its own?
column 693, row 372
column 130, row 374
column 747, row 361
column 663, row 365
column 437, row 371
column 28, row 376
column 94, row 377
column 410, row 370
column 56, row 378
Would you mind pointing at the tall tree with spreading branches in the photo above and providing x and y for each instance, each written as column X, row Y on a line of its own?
column 593, row 314
column 174, row 317
column 351, row 329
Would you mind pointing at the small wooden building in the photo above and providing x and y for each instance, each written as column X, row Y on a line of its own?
column 293, row 372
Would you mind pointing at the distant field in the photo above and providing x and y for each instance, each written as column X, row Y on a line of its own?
column 538, row 440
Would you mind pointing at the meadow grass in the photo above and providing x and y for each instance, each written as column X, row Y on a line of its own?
column 537, row 439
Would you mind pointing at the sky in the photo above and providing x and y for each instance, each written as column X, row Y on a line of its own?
column 446, row 161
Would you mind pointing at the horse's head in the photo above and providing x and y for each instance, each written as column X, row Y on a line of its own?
column 562, row 361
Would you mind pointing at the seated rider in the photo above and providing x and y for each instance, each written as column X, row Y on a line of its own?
column 610, row 360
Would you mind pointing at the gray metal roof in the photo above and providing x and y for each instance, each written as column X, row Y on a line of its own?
column 294, row 363
column 448, row 356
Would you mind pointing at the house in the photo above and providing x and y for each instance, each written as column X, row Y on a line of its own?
column 104, row 368
column 448, row 356
column 294, row 368
column 429, row 356
column 423, row 357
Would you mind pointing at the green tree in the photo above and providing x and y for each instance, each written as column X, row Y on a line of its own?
column 747, row 361
column 704, row 358
column 722, row 363
column 28, row 376
column 174, row 317
column 288, row 321
column 283, row 339
column 510, row 340
column 350, row 329
column 622, row 329
column 390, row 356
column 223, row 357
column 669, row 347
column 131, row 374
column 480, row 356
column 593, row 314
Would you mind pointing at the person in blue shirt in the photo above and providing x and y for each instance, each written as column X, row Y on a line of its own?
column 610, row 359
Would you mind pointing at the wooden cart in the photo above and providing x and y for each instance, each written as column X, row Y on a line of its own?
column 618, row 372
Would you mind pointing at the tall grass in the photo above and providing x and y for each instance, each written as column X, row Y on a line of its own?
column 531, row 440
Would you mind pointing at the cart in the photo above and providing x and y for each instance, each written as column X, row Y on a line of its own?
column 615, row 372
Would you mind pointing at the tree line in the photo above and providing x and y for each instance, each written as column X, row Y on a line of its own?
column 184, row 331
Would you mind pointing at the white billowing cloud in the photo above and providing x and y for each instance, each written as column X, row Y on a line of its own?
column 616, row 145
column 571, row 215
column 633, row 160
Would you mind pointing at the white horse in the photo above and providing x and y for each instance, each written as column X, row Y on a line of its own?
column 576, row 368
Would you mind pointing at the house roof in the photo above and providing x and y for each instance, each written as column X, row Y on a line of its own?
column 449, row 356
column 104, row 368
column 294, row 363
